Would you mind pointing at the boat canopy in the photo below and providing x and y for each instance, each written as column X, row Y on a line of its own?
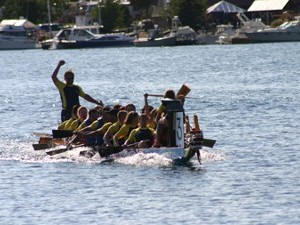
column 267, row 5
column 224, row 7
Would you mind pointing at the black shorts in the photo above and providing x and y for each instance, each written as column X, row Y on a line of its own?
column 65, row 115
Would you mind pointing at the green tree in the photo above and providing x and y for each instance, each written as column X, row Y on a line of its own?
column 2, row 2
column 190, row 12
column 142, row 4
column 33, row 10
column 124, row 19
column 113, row 15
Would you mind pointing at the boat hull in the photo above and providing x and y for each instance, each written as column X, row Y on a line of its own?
column 117, row 152
column 64, row 44
column 157, row 42
column 171, row 153
column 263, row 37
column 101, row 44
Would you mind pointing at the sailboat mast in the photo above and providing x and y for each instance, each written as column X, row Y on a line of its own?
column 49, row 17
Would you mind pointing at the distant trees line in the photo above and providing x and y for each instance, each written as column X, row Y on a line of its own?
column 113, row 15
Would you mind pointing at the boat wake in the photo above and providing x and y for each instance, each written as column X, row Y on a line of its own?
column 157, row 160
column 142, row 159
column 23, row 151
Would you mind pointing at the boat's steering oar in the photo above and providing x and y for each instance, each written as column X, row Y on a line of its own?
column 161, row 96
column 208, row 142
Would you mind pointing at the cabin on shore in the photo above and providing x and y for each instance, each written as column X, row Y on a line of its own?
column 270, row 10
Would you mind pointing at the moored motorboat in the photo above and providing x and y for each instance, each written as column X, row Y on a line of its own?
column 17, row 34
column 178, row 35
column 156, row 42
column 286, row 32
column 81, row 37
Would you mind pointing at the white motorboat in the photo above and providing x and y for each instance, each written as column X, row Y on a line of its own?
column 286, row 32
column 82, row 37
column 156, row 42
column 222, row 35
column 17, row 34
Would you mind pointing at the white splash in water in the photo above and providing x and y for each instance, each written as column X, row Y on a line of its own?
column 207, row 156
column 16, row 150
column 23, row 151
column 141, row 159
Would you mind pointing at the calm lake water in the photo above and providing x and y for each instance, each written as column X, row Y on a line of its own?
column 248, row 101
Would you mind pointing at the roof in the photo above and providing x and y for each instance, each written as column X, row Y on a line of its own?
column 19, row 23
column 267, row 5
column 244, row 4
column 95, row 3
column 224, row 7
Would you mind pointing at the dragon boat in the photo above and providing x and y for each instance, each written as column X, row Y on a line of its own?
column 184, row 142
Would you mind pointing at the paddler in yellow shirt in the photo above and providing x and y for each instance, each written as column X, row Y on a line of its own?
column 82, row 114
column 93, row 116
column 67, row 123
column 94, row 133
column 114, row 128
column 151, row 119
column 143, row 134
column 130, row 123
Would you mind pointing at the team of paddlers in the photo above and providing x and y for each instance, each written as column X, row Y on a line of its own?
column 118, row 125
column 112, row 125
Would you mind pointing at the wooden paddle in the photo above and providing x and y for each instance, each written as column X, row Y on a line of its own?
column 62, row 133
column 37, row 147
column 57, row 151
column 105, row 151
column 61, row 150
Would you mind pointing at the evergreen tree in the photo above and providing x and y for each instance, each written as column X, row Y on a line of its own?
column 33, row 10
column 142, row 4
column 190, row 12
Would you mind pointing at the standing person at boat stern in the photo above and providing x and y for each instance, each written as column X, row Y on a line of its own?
column 69, row 92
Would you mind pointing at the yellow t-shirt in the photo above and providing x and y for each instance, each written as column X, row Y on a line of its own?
column 123, row 133
column 104, row 128
column 64, row 125
column 81, row 126
column 151, row 124
column 94, row 125
column 114, row 128
column 161, row 108
column 132, row 137
column 74, row 125
column 65, row 99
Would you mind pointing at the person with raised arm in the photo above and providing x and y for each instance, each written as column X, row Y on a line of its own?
column 69, row 92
